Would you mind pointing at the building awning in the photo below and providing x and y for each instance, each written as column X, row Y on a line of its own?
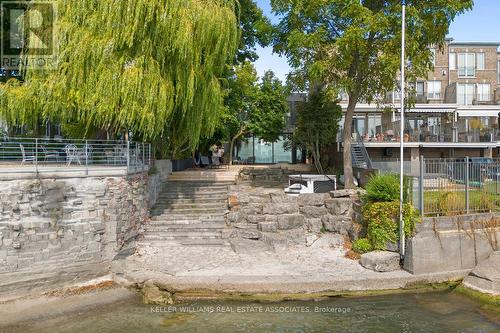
column 431, row 110
column 477, row 112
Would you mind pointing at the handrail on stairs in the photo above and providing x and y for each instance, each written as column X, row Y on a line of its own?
column 361, row 145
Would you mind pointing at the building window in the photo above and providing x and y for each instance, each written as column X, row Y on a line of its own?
column 433, row 56
column 466, row 65
column 483, row 92
column 433, row 89
column 420, row 89
column 374, row 125
column 465, row 93
column 480, row 61
column 453, row 61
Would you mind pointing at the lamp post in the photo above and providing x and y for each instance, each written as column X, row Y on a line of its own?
column 401, row 134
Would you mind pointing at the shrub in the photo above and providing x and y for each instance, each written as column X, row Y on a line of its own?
column 385, row 187
column 383, row 225
column 382, row 187
column 362, row 245
column 450, row 203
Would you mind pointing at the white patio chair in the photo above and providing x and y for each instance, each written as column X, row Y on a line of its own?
column 72, row 154
column 48, row 154
column 26, row 158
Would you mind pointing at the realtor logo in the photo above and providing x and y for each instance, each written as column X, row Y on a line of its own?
column 28, row 35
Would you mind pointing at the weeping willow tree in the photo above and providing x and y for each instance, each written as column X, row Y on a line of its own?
column 152, row 67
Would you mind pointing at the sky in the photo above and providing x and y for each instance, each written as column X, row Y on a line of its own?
column 481, row 24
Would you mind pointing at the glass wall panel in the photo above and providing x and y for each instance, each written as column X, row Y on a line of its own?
column 263, row 151
column 280, row 154
column 244, row 149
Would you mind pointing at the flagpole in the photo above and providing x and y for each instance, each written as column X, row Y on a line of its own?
column 401, row 135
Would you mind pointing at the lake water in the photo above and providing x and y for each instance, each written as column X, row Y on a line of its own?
column 420, row 312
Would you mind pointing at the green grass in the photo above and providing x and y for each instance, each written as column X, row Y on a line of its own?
column 453, row 202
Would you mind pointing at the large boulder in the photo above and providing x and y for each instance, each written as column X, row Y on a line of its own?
column 339, row 206
column 343, row 193
column 486, row 276
column 313, row 199
column 268, row 226
column 313, row 211
column 380, row 261
column 290, row 221
column 314, row 225
column 338, row 224
column 280, row 208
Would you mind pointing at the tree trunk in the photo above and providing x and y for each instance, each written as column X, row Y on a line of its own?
column 233, row 140
column 348, row 174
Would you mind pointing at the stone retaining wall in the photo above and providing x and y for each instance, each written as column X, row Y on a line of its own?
column 58, row 230
column 452, row 243
column 260, row 213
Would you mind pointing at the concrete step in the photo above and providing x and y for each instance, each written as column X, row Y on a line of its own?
column 189, row 227
column 188, row 211
column 190, row 195
column 188, row 217
column 195, row 242
column 207, row 200
column 193, row 189
column 196, row 183
column 184, row 236
column 193, row 221
column 187, row 205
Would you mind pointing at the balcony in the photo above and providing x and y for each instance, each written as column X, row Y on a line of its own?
column 432, row 131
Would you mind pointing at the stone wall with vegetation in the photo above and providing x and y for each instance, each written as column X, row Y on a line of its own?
column 452, row 243
column 269, row 214
column 59, row 230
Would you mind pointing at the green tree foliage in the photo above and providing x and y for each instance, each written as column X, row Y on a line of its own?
column 255, row 29
column 317, row 124
column 355, row 46
column 268, row 119
column 252, row 107
column 240, row 103
column 149, row 66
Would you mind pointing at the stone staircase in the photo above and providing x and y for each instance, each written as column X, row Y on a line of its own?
column 190, row 211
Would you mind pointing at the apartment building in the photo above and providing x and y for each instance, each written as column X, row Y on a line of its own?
column 456, row 112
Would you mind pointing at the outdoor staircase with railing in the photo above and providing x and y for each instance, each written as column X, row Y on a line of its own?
column 360, row 157
column 189, row 212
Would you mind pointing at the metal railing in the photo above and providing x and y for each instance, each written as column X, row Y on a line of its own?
column 458, row 186
column 361, row 145
column 40, row 155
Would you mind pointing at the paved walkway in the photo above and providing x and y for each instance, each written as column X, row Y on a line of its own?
column 319, row 268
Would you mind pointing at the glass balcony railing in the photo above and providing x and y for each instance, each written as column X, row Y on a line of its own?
column 448, row 134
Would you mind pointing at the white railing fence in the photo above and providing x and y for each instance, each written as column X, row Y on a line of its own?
column 27, row 155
